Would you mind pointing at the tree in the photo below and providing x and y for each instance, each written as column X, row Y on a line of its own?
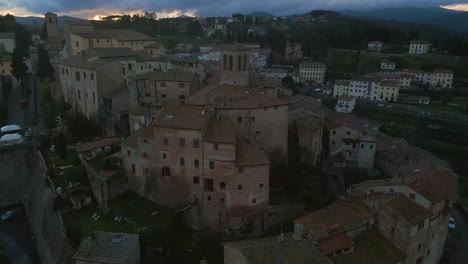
column 288, row 81
column 81, row 127
column 194, row 28
column 18, row 67
column 62, row 145
column 43, row 64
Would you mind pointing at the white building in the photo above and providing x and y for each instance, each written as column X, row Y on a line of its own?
column 259, row 58
column 375, row 46
column 418, row 47
column 274, row 73
column 387, row 65
column 442, row 78
column 8, row 41
column 312, row 72
column 345, row 104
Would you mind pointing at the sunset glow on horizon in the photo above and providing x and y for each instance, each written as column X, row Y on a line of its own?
column 457, row 7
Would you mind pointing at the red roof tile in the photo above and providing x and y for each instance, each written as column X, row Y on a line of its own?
column 97, row 144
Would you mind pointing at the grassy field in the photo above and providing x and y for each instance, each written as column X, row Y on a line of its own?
column 157, row 225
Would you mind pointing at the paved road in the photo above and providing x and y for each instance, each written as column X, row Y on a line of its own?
column 460, row 237
column 16, row 240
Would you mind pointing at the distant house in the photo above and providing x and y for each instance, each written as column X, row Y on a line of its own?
column 387, row 65
column 345, row 104
column 109, row 248
column 413, row 99
column 312, row 72
column 184, row 47
column 418, row 47
column 293, row 51
column 8, row 41
column 90, row 150
column 375, row 46
column 155, row 50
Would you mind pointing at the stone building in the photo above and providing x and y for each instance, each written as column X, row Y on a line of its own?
column 191, row 160
column 375, row 46
column 345, row 104
column 91, row 149
column 306, row 122
column 82, row 35
column 189, row 64
column 350, row 145
column 312, row 72
column 107, row 247
column 51, row 24
column 155, row 50
column 235, row 64
column 95, row 82
column 256, row 116
column 154, row 88
column 293, row 51
column 5, row 65
column 389, row 90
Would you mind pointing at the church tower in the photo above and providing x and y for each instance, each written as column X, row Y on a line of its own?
column 235, row 60
column 51, row 25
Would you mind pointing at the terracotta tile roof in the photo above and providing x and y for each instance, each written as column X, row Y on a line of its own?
column 408, row 209
column 139, row 111
column 338, row 217
column 182, row 117
column 443, row 71
column 342, row 82
column 367, row 79
column 132, row 141
column 335, row 244
column 118, row 34
column 235, row 47
column 250, row 153
column 267, row 250
column 175, row 76
column 373, row 248
column 228, row 96
column 97, row 144
column 220, row 132
column 107, row 247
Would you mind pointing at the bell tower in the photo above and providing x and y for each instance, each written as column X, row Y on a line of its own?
column 51, row 25
column 235, row 60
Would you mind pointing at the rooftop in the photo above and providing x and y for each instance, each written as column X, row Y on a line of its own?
column 79, row 22
column 235, row 47
column 390, row 83
column 408, row 209
column 342, row 82
column 229, row 96
column 268, row 250
column 107, row 247
column 97, row 144
column 182, row 117
column 447, row 71
column 335, row 244
column 345, row 98
column 221, row 132
column 166, row 76
column 132, row 141
column 371, row 247
column 417, row 41
column 339, row 217
column 118, row 34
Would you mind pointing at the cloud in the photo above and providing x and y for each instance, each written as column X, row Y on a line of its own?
column 86, row 8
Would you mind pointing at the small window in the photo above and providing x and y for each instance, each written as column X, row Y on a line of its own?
column 182, row 161
column 419, row 246
column 133, row 168
column 182, row 142
column 239, row 119
column 209, row 185
column 144, row 155
column 77, row 44
column 252, row 119
column 333, row 142
column 428, row 252
column 162, row 84
column 421, row 225
column 196, row 163
column 196, row 143
column 215, row 146
column 97, row 40
column 164, row 155
column 77, row 76
column 419, row 260
column 348, row 133
column 362, row 146
column 208, row 198
column 166, row 141
column 412, row 196
column 222, row 185
column 334, row 132
column 240, row 170
column 166, row 171
column 260, row 185
column 129, row 153
column 92, row 76
column 371, row 146
column 211, row 164
column 239, row 187
column 163, row 95
column 145, row 140
column 196, row 180
column 254, row 201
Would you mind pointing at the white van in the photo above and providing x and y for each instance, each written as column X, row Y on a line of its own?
column 11, row 139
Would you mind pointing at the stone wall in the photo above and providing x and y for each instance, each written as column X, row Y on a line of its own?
column 47, row 227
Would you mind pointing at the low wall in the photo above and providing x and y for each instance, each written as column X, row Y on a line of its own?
column 47, row 227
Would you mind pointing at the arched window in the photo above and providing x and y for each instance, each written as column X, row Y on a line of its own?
column 230, row 62
column 239, row 62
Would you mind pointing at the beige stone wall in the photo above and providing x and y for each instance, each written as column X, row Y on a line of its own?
column 388, row 93
column 136, row 45
column 337, row 136
column 5, row 67
column 156, row 52
column 310, row 143
column 234, row 67
column 78, row 44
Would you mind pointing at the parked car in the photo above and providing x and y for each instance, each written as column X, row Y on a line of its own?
column 451, row 223
column 381, row 105
column 10, row 214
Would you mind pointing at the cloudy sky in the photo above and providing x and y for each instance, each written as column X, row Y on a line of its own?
column 93, row 8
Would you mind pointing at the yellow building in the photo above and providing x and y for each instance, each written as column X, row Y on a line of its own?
column 109, row 38
column 388, row 90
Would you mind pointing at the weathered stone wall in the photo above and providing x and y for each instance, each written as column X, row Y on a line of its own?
column 52, row 242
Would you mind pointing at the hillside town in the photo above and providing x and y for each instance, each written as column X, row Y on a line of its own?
column 230, row 140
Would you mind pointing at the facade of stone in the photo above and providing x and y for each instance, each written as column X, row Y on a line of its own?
column 293, row 51
column 190, row 160
column 235, row 64
column 312, row 72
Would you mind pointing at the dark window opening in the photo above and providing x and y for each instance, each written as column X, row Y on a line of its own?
column 222, row 185
column 196, row 180
column 211, row 164
column 196, row 163
column 182, row 142
column 182, row 161
column 239, row 187
column 196, row 143
column 209, row 185
column 166, row 171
